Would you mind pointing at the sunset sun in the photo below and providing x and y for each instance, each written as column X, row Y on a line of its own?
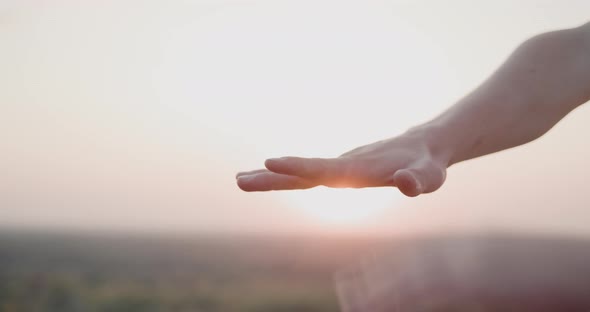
column 344, row 206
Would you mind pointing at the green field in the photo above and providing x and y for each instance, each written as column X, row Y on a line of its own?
column 100, row 272
column 92, row 272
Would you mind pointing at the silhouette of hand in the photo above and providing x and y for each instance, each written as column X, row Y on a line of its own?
column 406, row 162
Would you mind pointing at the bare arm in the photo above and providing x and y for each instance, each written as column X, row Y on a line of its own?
column 542, row 81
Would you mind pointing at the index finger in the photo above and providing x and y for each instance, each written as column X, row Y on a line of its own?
column 270, row 181
column 317, row 169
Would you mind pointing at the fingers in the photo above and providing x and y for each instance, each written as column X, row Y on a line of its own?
column 419, row 179
column 264, row 180
column 245, row 173
column 291, row 173
column 317, row 169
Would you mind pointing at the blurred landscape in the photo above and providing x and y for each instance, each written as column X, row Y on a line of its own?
column 43, row 271
column 96, row 272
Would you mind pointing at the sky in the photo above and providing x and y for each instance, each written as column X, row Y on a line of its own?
column 136, row 115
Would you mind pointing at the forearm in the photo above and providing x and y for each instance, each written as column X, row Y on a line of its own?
column 542, row 81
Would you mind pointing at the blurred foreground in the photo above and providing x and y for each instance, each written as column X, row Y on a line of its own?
column 96, row 272
column 68, row 272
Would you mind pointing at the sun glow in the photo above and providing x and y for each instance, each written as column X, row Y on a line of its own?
column 344, row 206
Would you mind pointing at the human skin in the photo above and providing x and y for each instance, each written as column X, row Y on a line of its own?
column 543, row 80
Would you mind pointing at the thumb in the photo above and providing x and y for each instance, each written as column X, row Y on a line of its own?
column 419, row 179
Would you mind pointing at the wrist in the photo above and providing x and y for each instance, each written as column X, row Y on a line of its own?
column 440, row 146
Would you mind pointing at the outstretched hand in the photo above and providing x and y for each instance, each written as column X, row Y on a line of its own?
column 541, row 82
column 406, row 162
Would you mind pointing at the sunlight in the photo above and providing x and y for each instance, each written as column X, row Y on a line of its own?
column 344, row 206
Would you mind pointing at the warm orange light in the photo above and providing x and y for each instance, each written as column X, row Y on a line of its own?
column 344, row 206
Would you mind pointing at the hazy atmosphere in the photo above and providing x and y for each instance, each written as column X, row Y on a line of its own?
column 136, row 115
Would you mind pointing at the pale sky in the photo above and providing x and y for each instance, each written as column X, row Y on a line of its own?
column 136, row 115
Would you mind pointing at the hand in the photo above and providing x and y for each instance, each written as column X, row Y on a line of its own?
column 407, row 162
